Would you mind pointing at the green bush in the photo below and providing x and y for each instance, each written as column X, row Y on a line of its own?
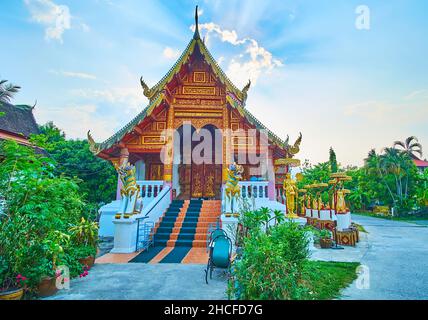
column 97, row 177
column 40, row 209
column 271, row 265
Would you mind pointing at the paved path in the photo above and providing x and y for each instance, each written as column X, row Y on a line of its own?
column 140, row 281
column 397, row 257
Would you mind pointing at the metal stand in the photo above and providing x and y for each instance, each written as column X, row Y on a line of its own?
column 145, row 238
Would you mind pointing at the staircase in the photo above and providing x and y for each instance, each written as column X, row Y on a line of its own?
column 186, row 223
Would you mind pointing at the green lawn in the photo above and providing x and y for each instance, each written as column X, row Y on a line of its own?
column 408, row 218
column 327, row 279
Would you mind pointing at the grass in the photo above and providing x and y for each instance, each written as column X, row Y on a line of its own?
column 396, row 218
column 326, row 279
column 360, row 228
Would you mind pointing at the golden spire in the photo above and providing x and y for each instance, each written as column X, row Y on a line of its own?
column 196, row 35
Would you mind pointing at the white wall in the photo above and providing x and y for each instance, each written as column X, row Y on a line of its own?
column 140, row 167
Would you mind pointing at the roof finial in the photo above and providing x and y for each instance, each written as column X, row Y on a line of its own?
column 196, row 35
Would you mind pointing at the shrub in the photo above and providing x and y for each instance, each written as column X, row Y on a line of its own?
column 271, row 265
column 39, row 209
column 325, row 234
column 85, row 233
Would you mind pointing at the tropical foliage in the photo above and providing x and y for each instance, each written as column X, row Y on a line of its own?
column 389, row 178
column 411, row 146
column 41, row 219
column 7, row 91
column 96, row 177
column 274, row 264
column 333, row 161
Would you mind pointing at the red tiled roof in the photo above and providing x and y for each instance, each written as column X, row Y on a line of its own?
column 420, row 163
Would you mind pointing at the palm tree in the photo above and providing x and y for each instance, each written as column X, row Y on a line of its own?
column 375, row 165
column 410, row 146
column 7, row 91
column 371, row 162
column 398, row 163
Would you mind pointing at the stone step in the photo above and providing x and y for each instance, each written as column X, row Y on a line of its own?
column 187, row 243
column 187, row 223
column 186, row 236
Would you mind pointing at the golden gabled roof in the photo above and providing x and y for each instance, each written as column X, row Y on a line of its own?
column 236, row 98
column 196, row 41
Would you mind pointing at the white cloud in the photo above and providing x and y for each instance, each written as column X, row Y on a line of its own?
column 395, row 113
column 251, row 63
column 70, row 74
column 84, row 27
column 170, row 53
column 130, row 99
column 56, row 18
column 417, row 94
column 84, row 115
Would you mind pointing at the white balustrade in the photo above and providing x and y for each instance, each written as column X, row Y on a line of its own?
column 150, row 189
column 254, row 189
column 126, row 230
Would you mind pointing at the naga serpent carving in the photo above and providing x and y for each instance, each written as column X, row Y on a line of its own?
column 149, row 93
column 93, row 146
column 293, row 149
column 245, row 91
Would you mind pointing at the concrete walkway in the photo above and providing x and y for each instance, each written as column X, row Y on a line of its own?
column 140, row 281
column 397, row 259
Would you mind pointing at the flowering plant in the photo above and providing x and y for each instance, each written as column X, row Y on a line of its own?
column 85, row 272
column 13, row 283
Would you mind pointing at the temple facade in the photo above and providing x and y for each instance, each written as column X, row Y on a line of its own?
column 195, row 98
column 195, row 158
column 191, row 160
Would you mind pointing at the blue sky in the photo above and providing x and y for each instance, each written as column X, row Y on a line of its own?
column 313, row 70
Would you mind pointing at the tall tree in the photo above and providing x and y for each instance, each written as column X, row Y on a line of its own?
column 411, row 146
column 399, row 166
column 374, row 168
column 333, row 161
column 97, row 177
column 7, row 91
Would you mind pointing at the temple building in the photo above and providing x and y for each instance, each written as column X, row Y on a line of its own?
column 17, row 123
column 422, row 165
column 189, row 153
column 195, row 93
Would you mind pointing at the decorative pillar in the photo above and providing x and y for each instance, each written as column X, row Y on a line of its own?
column 227, row 147
column 169, row 156
column 226, row 160
column 271, row 176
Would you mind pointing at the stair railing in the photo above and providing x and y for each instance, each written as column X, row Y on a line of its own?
column 153, row 212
